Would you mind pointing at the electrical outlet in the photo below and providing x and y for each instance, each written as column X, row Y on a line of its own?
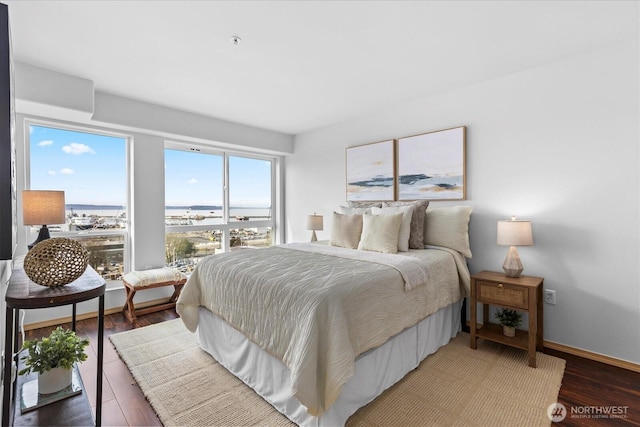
column 550, row 296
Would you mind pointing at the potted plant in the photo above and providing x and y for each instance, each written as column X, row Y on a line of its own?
column 510, row 320
column 52, row 358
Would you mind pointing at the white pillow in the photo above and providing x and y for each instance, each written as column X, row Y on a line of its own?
column 380, row 233
column 448, row 227
column 405, row 227
column 346, row 230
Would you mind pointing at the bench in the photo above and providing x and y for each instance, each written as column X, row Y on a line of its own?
column 135, row 281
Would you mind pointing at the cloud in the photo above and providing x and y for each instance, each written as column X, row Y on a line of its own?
column 193, row 181
column 67, row 171
column 77, row 148
column 51, row 172
column 45, row 143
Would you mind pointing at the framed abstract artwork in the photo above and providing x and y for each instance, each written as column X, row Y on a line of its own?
column 431, row 166
column 370, row 172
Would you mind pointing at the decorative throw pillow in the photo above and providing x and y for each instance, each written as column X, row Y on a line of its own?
column 346, row 210
column 346, row 230
column 448, row 227
column 405, row 227
column 353, row 204
column 416, row 236
column 380, row 233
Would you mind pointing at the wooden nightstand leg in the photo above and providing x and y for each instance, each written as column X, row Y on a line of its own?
column 540, row 303
column 473, row 322
column 533, row 326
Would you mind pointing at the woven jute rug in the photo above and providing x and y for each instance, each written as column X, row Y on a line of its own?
column 457, row 386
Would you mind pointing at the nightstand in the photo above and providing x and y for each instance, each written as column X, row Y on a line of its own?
column 522, row 293
column 22, row 293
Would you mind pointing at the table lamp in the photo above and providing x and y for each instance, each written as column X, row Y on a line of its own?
column 314, row 222
column 42, row 207
column 514, row 233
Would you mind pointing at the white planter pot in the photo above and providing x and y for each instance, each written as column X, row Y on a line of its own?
column 54, row 380
column 508, row 331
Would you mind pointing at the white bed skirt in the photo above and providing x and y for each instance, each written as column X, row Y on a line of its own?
column 375, row 370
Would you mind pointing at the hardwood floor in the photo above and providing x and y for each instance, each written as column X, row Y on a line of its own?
column 586, row 386
column 122, row 400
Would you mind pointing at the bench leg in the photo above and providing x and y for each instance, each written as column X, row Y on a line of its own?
column 129, row 309
column 176, row 292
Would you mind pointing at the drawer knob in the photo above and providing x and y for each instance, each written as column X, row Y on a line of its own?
column 500, row 287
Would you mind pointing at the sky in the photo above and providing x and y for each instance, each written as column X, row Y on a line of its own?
column 91, row 169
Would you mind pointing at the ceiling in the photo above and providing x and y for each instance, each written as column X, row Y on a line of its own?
column 302, row 65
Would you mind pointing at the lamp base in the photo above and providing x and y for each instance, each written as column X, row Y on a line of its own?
column 42, row 235
column 314, row 238
column 512, row 266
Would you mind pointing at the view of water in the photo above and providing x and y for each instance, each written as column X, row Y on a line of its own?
column 85, row 217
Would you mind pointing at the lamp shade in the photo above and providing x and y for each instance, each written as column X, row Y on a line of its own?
column 43, row 207
column 314, row 222
column 515, row 233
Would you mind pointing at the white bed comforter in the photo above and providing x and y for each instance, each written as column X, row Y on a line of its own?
column 317, row 309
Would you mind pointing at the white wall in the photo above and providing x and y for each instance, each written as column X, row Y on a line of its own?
column 558, row 145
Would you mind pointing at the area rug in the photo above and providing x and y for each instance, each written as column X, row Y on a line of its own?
column 492, row 385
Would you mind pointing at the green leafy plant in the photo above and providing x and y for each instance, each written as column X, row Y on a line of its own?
column 62, row 348
column 510, row 318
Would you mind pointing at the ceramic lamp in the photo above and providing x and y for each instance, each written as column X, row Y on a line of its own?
column 514, row 233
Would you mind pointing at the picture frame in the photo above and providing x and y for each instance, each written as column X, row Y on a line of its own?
column 370, row 173
column 432, row 166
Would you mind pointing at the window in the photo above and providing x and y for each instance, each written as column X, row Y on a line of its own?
column 249, row 188
column 215, row 202
column 91, row 168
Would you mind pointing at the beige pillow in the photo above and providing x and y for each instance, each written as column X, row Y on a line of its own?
column 380, row 233
column 405, row 227
column 346, row 230
column 448, row 227
column 416, row 235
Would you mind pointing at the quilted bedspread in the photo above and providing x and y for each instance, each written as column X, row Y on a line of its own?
column 317, row 308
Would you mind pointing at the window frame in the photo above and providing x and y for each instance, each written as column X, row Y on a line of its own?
column 227, row 225
column 128, row 141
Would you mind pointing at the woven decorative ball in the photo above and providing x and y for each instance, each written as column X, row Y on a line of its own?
column 56, row 262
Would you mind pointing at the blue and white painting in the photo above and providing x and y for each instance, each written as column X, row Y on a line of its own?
column 432, row 166
column 370, row 172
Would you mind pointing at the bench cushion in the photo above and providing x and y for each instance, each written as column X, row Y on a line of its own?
column 144, row 278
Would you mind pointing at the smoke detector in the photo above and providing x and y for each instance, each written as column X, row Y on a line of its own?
column 235, row 40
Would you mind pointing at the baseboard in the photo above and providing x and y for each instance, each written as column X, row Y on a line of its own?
column 625, row 364
column 585, row 354
column 89, row 315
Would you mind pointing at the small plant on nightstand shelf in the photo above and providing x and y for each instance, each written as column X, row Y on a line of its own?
column 53, row 358
column 510, row 320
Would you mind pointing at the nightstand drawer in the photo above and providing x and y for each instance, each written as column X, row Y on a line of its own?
column 502, row 294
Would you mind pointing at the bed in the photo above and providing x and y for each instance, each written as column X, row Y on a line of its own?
column 320, row 330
